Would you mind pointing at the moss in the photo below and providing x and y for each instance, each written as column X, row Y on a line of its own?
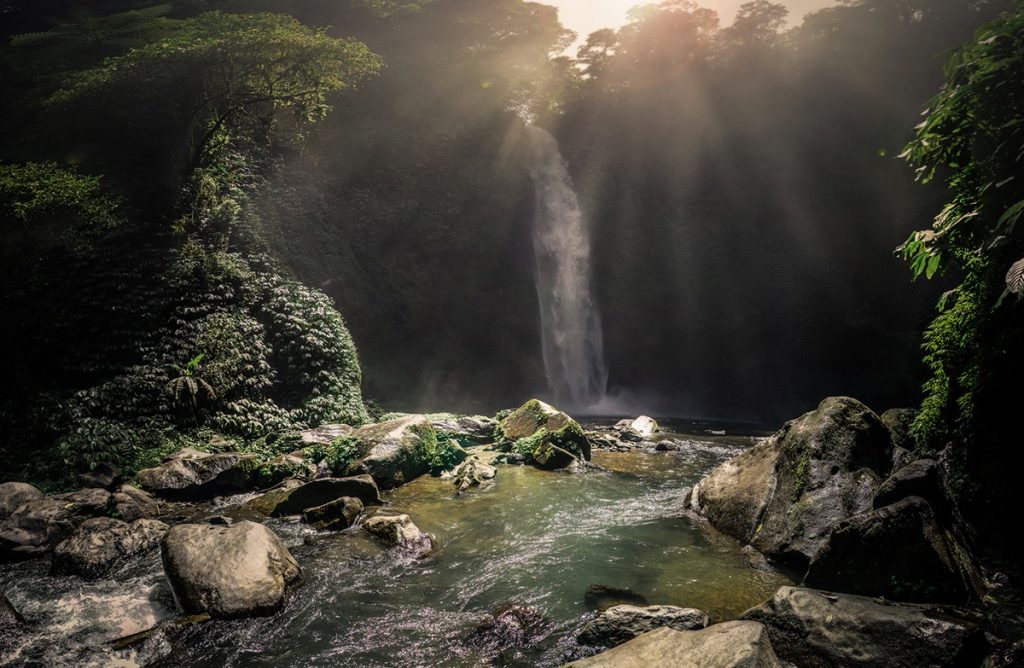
column 439, row 454
column 802, row 466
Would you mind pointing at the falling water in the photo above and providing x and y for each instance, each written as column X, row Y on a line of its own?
column 570, row 322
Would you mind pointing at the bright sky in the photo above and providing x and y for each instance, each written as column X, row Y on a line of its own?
column 586, row 16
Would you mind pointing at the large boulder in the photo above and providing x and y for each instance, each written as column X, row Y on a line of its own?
column 466, row 429
column 335, row 515
column 621, row 623
column 729, row 645
column 786, row 494
column 326, row 433
column 190, row 474
column 101, row 543
column 293, row 500
column 544, row 435
column 897, row 551
column 918, row 478
column 816, row 629
column 36, row 526
column 13, row 494
column 395, row 452
column 239, row 570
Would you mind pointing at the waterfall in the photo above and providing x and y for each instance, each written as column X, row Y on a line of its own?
column 570, row 323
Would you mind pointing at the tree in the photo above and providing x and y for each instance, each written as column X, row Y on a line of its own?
column 211, row 85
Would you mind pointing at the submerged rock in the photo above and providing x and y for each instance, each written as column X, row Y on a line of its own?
column 101, row 543
column 511, row 626
column 819, row 629
column 786, row 494
column 13, row 494
column 620, row 623
column 472, row 473
column 601, row 597
column 398, row 530
column 544, row 435
column 335, row 515
column 228, row 571
column 190, row 474
column 741, row 644
column 898, row 551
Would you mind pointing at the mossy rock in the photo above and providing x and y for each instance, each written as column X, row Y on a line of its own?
column 544, row 435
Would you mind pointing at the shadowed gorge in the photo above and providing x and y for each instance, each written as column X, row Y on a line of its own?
column 509, row 333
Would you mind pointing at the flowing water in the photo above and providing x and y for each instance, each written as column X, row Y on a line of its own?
column 532, row 538
column 573, row 345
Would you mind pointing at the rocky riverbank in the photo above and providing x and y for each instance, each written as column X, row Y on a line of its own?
column 831, row 497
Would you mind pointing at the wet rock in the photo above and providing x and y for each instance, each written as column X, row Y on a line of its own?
column 466, row 429
column 394, row 452
column 35, row 527
column 819, row 629
column 472, row 473
column 898, row 551
column 104, row 475
column 601, row 597
column 544, row 435
column 334, row 516
column 240, row 570
column 131, row 503
column 621, row 623
column 739, row 644
column 100, row 543
column 637, row 429
column 785, row 495
column 326, row 433
column 511, row 626
column 398, row 530
column 283, row 467
column 13, row 494
column 193, row 475
column 294, row 500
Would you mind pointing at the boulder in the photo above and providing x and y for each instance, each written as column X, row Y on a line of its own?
column 395, row 452
column 131, row 503
column 901, row 457
column 816, row 629
column 334, row 516
column 293, row 501
column 620, row 623
column 898, row 551
column 740, row 644
column 283, row 467
column 190, row 474
column 13, row 494
column 87, row 502
column 228, row 571
column 466, row 429
column 398, row 530
column 326, row 433
column 785, row 495
column 472, row 473
column 104, row 475
column 101, row 543
column 544, row 435
column 637, row 429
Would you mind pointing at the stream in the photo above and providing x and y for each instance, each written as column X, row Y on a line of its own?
column 531, row 538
